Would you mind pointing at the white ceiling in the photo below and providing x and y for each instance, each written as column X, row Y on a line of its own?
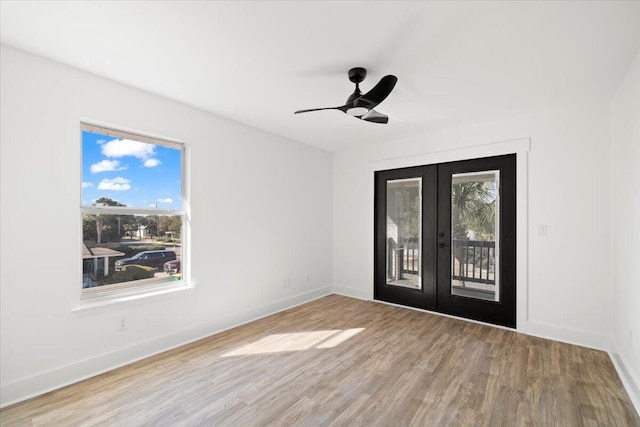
column 257, row 62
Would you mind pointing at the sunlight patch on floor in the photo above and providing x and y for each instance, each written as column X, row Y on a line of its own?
column 295, row 341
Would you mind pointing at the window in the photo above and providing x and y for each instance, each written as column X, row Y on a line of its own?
column 132, row 209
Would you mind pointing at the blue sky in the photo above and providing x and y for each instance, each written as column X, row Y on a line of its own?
column 134, row 173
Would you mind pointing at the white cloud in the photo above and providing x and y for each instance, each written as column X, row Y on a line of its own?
column 151, row 163
column 167, row 200
column 128, row 147
column 116, row 184
column 107, row 166
column 87, row 184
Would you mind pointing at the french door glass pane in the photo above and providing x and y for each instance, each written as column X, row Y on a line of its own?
column 404, row 221
column 475, row 207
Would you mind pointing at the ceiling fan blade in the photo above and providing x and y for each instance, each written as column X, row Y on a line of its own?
column 318, row 109
column 378, row 94
column 342, row 108
column 375, row 117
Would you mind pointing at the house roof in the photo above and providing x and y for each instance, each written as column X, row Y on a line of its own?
column 98, row 252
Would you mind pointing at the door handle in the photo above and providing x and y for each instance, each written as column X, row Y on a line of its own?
column 442, row 245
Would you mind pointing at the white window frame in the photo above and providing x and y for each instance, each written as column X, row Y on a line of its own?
column 132, row 291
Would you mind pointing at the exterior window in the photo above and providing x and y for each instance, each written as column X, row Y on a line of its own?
column 132, row 211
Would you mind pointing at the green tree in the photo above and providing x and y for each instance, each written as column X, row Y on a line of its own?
column 152, row 226
column 89, row 228
column 170, row 223
column 411, row 202
column 105, row 201
column 101, row 228
column 473, row 208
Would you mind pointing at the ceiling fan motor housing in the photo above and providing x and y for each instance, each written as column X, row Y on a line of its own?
column 357, row 74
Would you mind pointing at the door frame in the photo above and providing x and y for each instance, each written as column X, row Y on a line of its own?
column 521, row 148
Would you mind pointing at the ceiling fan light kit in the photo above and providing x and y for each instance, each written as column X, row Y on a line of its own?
column 357, row 111
column 362, row 106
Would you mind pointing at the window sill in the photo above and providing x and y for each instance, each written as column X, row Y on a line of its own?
column 112, row 302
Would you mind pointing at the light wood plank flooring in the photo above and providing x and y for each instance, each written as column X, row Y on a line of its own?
column 344, row 362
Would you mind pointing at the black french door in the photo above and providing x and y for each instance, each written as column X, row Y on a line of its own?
column 445, row 238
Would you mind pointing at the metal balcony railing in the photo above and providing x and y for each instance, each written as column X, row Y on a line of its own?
column 474, row 261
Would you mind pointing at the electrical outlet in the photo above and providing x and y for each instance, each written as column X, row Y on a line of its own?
column 307, row 280
column 289, row 283
column 284, row 283
column 124, row 323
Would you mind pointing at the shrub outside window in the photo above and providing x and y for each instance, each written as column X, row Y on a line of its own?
column 132, row 207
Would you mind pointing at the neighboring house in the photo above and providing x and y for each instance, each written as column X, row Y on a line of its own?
column 93, row 259
column 142, row 232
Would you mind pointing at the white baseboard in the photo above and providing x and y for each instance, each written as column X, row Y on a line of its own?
column 566, row 335
column 352, row 292
column 56, row 378
column 627, row 376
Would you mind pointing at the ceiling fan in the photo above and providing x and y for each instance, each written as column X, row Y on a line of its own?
column 362, row 106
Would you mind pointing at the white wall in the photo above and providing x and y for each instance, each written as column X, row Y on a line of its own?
column 261, row 210
column 625, row 195
column 565, row 293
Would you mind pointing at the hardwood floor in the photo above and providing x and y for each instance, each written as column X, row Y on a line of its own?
column 344, row 362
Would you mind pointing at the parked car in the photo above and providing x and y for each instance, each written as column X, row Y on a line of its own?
column 172, row 267
column 154, row 259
